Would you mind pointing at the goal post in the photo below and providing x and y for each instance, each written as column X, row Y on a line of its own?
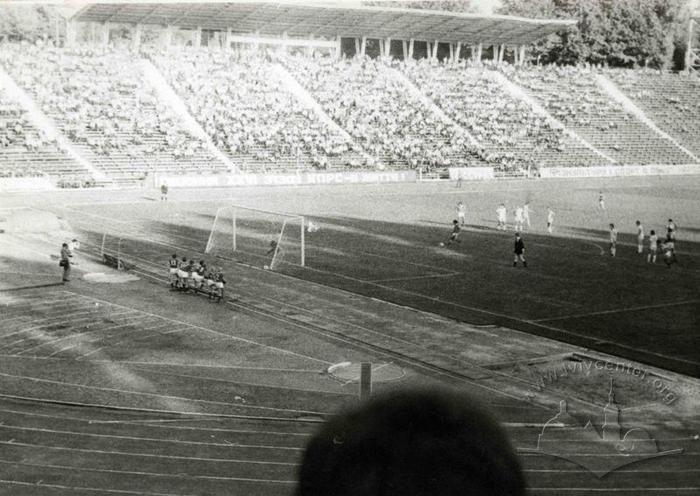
column 258, row 237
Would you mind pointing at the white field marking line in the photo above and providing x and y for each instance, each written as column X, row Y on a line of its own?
column 148, row 439
column 175, row 427
column 147, row 474
column 617, row 471
column 222, row 200
column 120, row 340
column 29, row 273
column 55, row 321
column 226, row 381
column 146, row 455
column 398, row 279
column 234, row 338
column 136, row 321
column 185, row 414
column 178, row 365
column 628, row 309
column 82, row 334
column 35, row 328
column 60, row 487
column 393, row 259
column 156, row 395
column 48, row 305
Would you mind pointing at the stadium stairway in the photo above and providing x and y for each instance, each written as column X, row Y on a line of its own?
column 616, row 94
column 168, row 95
column 517, row 92
column 430, row 104
column 293, row 86
column 42, row 122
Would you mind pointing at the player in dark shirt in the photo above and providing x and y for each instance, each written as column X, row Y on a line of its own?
column 519, row 251
column 454, row 236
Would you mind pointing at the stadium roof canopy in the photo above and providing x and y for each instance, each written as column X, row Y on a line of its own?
column 326, row 20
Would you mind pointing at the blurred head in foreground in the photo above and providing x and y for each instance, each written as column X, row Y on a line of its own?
column 411, row 443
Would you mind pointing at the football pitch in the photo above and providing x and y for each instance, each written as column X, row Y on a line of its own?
column 383, row 241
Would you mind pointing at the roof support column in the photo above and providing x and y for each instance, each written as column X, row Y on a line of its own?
column 357, row 46
column 410, row 48
column 387, row 47
column 404, row 49
column 71, row 32
column 167, row 38
column 104, row 34
column 452, row 52
column 338, row 47
column 458, row 51
column 435, row 47
column 136, row 37
column 227, row 39
column 689, row 48
column 501, row 53
column 363, row 46
column 197, row 37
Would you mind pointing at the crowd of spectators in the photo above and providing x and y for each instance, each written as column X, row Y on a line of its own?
column 240, row 102
column 670, row 100
column 101, row 101
column 461, row 115
column 365, row 97
column 25, row 151
column 572, row 95
column 509, row 131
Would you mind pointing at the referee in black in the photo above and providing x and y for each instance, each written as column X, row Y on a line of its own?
column 519, row 251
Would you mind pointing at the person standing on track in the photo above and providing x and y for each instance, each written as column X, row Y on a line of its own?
column 164, row 192
column 601, row 201
column 519, row 251
column 65, row 262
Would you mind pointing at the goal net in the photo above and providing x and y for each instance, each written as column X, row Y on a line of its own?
column 257, row 237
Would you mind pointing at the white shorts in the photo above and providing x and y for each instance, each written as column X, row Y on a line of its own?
column 197, row 277
column 181, row 273
column 173, row 271
column 220, row 285
column 653, row 249
column 210, row 282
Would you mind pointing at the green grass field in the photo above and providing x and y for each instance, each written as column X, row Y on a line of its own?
column 383, row 241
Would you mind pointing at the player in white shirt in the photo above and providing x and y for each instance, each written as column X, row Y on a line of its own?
column 613, row 240
column 640, row 237
column 550, row 220
column 526, row 214
column 519, row 219
column 502, row 217
column 653, row 247
column 461, row 213
column 601, row 201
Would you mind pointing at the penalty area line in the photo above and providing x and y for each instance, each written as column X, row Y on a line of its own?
column 618, row 310
column 432, row 276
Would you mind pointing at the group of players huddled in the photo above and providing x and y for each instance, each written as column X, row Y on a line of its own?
column 189, row 275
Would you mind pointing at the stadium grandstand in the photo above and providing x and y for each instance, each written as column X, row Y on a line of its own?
column 133, row 92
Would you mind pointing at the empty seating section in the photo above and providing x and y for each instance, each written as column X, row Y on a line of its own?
column 26, row 151
column 365, row 98
column 101, row 102
column 508, row 129
column 572, row 95
column 238, row 99
column 672, row 101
